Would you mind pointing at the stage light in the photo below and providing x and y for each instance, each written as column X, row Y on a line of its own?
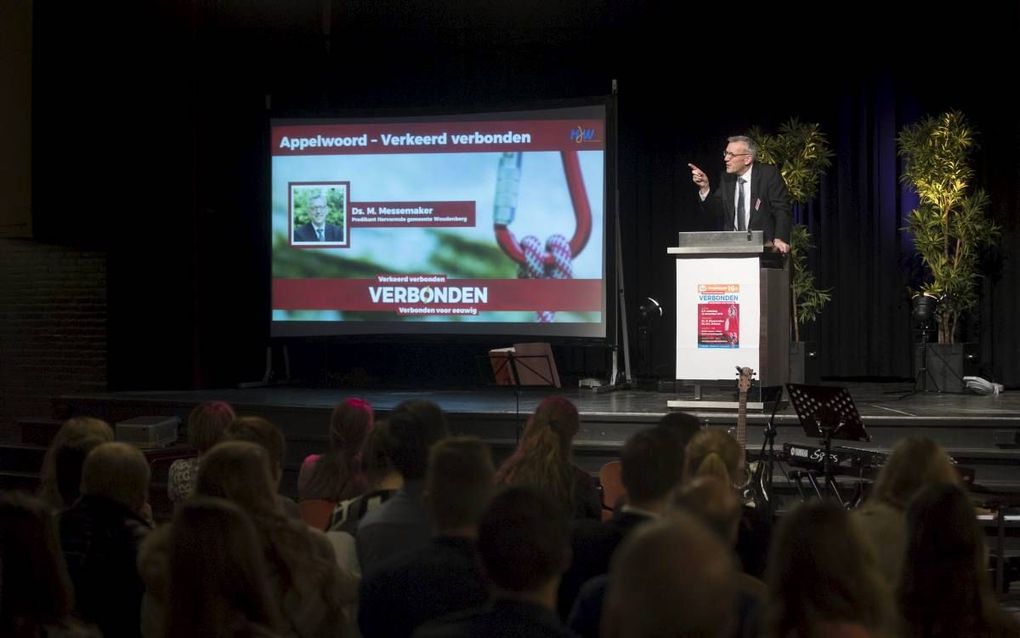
column 649, row 309
column 922, row 308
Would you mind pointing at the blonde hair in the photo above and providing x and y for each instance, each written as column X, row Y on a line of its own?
column 116, row 471
column 542, row 458
column 914, row 463
column 713, row 453
column 239, row 472
column 72, row 432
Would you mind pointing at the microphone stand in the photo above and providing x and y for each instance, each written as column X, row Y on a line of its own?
column 769, row 443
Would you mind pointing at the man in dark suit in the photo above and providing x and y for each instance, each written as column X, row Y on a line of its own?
column 318, row 229
column 652, row 465
column 751, row 197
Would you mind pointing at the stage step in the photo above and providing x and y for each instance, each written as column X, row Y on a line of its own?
column 13, row 480
column 21, row 458
column 38, row 430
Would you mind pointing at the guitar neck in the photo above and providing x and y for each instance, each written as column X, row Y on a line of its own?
column 741, row 434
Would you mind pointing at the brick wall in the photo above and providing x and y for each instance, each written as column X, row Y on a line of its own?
column 53, row 316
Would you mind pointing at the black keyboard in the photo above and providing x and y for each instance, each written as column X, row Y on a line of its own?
column 842, row 460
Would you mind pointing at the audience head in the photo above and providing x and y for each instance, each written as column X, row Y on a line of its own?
column 459, row 482
column 682, row 424
column 523, row 540
column 69, row 458
column 915, row 462
column 218, row 578
column 36, row 589
column 337, row 475
column 671, row 577
column 119, row 472
column 945, row 589
column 259, row 431
column 207, row 422
column 238, row 471
column 377, row 457
column 69, row 435
column 714, row 453
column 349, row 425
column 821, row 570
column 414, row 426
column 542, row 458
column 559, row 415
column 651, row 466
column 712, row 502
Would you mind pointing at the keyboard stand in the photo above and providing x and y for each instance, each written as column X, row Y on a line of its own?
column 811, row 476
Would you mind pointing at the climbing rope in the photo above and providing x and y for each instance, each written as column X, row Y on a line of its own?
column 553, row 260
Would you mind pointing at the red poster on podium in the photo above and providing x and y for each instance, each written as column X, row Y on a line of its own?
column 719, row 316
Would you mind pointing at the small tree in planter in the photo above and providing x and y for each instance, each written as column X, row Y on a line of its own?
column 949, row 223
column 802, row 154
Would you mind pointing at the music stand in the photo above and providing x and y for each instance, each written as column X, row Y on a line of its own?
column 522, row 365
column 827, row 413
column 525, row 364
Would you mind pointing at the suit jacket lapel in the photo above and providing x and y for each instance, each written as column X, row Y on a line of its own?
column 755, row 189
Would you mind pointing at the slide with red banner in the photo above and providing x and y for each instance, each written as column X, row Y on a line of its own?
column 484, row 223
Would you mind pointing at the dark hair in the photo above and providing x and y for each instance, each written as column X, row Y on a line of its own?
column 69, row 458
column 414, row 426
column 523, row 539
column 337, row 475
column 651, row 464
column 944, row 589
column 206, row 424
column 820, row 569
column 459, row 481
column 36, row 587
column 377, row 455
column 218, row 576
column 682, row 424
column 670, row 577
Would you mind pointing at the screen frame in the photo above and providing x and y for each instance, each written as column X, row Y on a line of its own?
column 389, row 332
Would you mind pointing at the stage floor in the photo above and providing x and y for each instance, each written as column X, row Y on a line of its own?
column 968, row 425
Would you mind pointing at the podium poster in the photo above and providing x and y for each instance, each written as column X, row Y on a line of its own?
column 718, row 316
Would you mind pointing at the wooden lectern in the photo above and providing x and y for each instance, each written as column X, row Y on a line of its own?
column 732, row 310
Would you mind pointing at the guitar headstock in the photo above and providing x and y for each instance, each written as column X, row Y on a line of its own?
column 745, row 376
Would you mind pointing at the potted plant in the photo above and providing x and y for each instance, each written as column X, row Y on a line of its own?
column 949, row 226
column 801, row 152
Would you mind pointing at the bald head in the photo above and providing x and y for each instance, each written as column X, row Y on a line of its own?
column 671, row 578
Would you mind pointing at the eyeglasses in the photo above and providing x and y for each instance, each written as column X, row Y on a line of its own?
column 727, row 155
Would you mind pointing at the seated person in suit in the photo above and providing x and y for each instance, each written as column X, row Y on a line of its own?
column 318, row 229
column 524, row 549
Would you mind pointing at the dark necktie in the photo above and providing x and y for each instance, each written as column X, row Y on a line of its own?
column 321, row 234
column 740, row 203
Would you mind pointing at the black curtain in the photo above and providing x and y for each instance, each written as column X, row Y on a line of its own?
column 170, row 113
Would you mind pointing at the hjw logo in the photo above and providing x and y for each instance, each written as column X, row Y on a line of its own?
column 580, row 134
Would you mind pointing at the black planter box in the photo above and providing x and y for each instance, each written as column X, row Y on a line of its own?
column 804, row 362
column 947, row 364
